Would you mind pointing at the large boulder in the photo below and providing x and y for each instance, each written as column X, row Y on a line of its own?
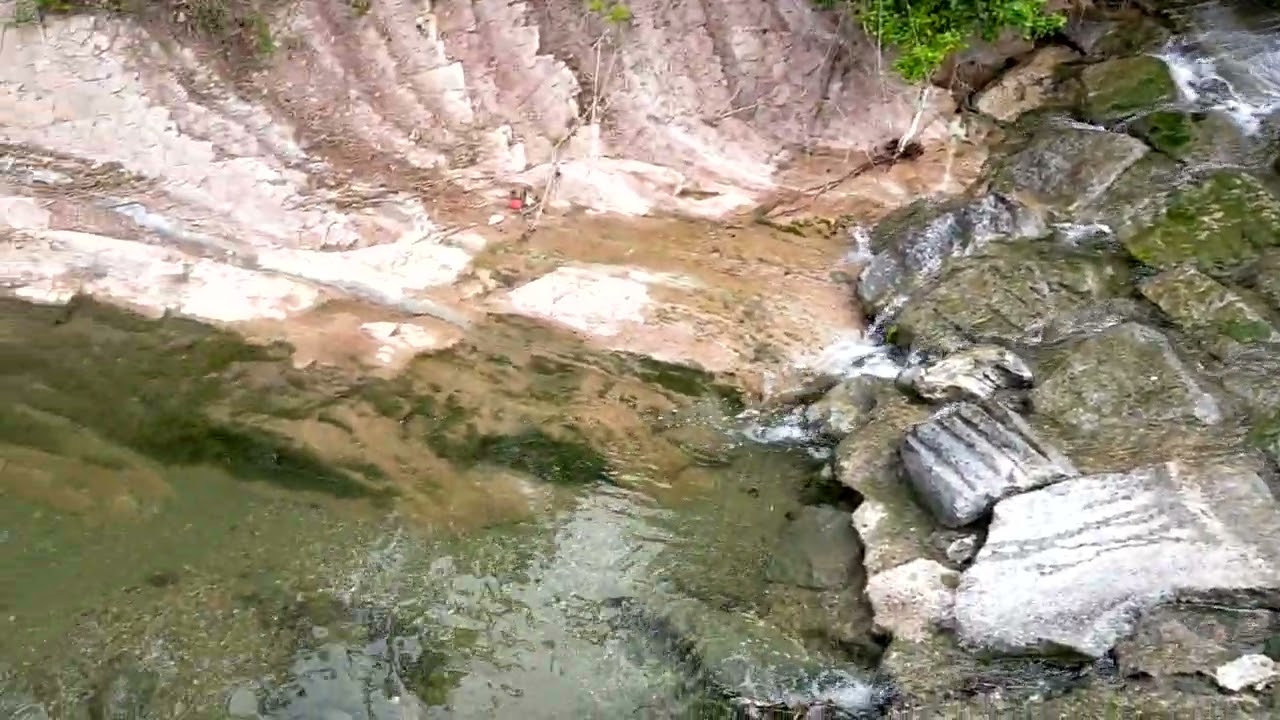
column 968, row 456
column 1070, row 567
column 1226, row 321
column 1136, row 199
column 1066, row 166
column 1221, row 224
column 1122, row 87
column 1211, row 138
column 1030, row 85
column 1126, row 385
column 1016, row 294
column 911, row 244
column 913, row 600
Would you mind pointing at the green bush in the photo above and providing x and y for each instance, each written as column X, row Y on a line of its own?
column 925, row 32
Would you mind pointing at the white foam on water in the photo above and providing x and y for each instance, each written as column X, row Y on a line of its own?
column 1229, row 65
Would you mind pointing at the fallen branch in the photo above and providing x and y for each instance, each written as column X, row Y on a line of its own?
column 889, row 154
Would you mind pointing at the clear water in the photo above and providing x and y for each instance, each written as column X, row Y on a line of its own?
column 192, row 528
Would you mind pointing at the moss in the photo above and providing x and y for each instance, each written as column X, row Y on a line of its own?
column 1115, row 89
column 684, row 380
column 1169, row 132
column 1220, row 225
column 1247, row 331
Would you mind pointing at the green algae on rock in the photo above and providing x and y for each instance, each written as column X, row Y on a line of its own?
column 1119, row 88
column 1014, row 294
column 1171, row 132
column 1222, row 318
column 1220, row 224
column 1065, row 167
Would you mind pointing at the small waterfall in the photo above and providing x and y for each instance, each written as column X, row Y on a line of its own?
column 1229, row 61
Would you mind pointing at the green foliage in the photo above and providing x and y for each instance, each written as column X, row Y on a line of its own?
column 613, row 12
column 925, row 32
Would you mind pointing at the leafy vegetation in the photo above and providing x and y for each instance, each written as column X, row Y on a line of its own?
column 613, row 12
column 925, row 32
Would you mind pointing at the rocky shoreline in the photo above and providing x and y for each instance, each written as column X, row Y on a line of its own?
column 1067, row 500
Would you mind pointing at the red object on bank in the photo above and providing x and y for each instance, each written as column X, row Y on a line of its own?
column 515, row 203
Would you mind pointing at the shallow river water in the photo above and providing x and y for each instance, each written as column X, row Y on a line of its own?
column 190, row 527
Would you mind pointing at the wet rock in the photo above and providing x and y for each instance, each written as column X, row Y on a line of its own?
column 1223, row 319
column 913, row 599
column 1173, row 640
column 1030, row 85
column 845, row 408
column 1126, row 380
column 1220, row 224
column 755, row 662
column 981, row 62
column 339, row 682
column 1066, row 166
column 1102, row 37
column 893, row 527
column 1136, row 199
column 1014, row 294
column 1249, row 671
column 1208, row 138
column 911, row 244
column 968, row 456
column 841, row 620
column 1120, row 88
column 818, row 549
column 973, row 374
column 1071, row 566
column 243, row 703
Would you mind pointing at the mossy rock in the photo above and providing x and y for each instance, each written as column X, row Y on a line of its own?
column 1137, row 198
column 1120, row 88
column 1223, row 319
column 1125, row 392
column 1015, row 294
column 1202, row 138
column 1169, row 131
column 1065, row 167
column 1220, row 225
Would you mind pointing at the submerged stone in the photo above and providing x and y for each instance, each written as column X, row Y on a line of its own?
column 1069, row 568
column 341, row 682
column 756, row 664
column 911, row 244
column 1220, row 224
column 818, row 549
column 968, row 456
column 1119, row 88
column 1067, row 166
